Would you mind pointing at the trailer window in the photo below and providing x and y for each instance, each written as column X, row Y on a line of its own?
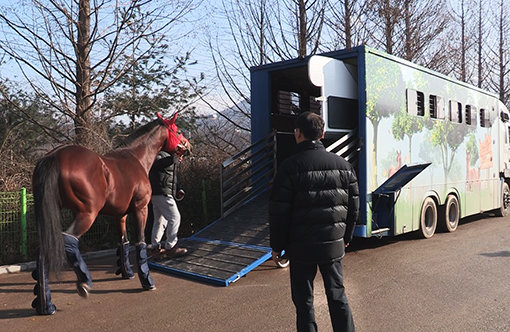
column 415, row 102
column 485, row 120
column 455, row 111
column 293, row 103
column 436, row 107
column 288, row 102
column 504, row 116
column 342, row 113
column 470, row 115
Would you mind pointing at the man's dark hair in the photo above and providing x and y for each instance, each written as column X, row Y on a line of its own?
column 311, row 125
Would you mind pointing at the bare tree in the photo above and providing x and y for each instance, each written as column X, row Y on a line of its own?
column 299, row 28
column 247, row 26
column 67, row 51
column 347, row 23
column 423, row 23
column 467, row 55
column 500, row 81
column 460, row 14
column 386, row 15
column 480, row 43
column 409, row 29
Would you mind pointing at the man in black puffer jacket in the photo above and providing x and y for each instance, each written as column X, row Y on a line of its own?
column 313, row 208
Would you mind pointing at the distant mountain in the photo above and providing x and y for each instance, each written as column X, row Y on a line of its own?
column 234, row 114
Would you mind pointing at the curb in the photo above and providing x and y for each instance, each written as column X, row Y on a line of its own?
column 28, row 266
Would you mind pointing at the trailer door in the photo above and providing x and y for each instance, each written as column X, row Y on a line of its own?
column 385, row 197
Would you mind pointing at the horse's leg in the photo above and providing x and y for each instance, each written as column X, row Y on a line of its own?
column 42, row 303
column 143, row 266
column 141, row 249
column 80, row 226
column 123, row 252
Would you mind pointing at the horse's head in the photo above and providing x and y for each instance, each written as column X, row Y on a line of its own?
column 175, row 141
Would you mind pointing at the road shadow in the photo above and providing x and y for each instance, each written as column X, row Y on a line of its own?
column 17, row 313
column 503, row 253
column 477, row 217
column 359, row 244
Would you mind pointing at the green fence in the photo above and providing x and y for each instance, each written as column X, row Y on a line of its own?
column 18, row 231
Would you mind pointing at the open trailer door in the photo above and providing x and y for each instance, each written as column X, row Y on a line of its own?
column 386, row 195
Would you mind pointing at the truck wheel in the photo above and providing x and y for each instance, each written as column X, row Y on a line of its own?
column 450, row 219
column 504, row 210
column 428, row 218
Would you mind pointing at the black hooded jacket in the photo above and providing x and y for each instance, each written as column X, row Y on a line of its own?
column 314, row 205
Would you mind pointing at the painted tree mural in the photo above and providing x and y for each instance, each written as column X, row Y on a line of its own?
column 381, row 92
column 406, row 125
column 454, row 134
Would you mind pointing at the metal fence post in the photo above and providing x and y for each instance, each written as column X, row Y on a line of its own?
column 204, row 201
column 23, row 219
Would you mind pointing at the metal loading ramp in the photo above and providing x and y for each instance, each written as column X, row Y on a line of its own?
column 227, row 249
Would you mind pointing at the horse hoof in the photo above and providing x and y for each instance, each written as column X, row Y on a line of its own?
column 83, row 289
column 49, row 309
column 125, row 275
column 47, row 312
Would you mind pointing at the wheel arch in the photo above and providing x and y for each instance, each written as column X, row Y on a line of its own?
column 435, row 196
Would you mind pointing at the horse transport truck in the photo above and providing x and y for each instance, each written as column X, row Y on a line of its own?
column 427, row 149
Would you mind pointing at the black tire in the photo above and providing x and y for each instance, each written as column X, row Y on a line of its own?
column 428, row 218
column 451, row 214
column 504, row 210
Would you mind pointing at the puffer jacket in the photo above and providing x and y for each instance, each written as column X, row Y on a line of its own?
column 314, row 205
column 163, row 175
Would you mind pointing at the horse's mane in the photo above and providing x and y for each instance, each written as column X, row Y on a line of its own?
column 139, row 132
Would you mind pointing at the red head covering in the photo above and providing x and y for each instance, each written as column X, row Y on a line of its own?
column 175, row 141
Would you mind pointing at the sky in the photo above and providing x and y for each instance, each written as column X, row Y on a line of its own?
column 191, row 35
column 205, row 24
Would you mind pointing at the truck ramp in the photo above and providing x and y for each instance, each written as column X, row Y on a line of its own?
column 225, row 250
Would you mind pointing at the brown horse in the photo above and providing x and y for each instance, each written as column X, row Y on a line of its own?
column 114, row 184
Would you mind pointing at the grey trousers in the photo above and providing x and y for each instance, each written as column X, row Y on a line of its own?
column 166, row 217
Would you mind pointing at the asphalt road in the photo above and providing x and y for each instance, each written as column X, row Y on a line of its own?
column 451, row 282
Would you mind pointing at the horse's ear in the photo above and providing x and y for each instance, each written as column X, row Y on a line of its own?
column 164, row 121
column 174, row 118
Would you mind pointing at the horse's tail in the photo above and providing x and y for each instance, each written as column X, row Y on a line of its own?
column 47, row 212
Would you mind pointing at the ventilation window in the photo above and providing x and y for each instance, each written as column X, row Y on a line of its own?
column 484, row 118
column 470, row 115
column 288, row 102
column 455, row 111
column 504, row 116
column 436, row 107
column 415, row 102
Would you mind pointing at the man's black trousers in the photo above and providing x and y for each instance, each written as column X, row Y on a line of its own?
column 301, row 280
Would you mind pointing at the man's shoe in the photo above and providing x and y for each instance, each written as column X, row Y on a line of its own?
column 175, row 252
column 157, row 252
